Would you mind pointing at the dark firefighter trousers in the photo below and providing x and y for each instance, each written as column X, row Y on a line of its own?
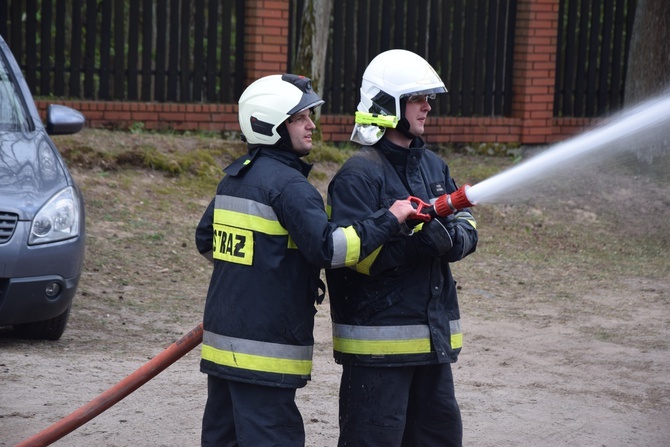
column 408, row 406
column 248, row 415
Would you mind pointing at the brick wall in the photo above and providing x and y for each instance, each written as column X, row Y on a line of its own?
column 532, row 121
column 266, row 38
column 154, row 116
column 535, row 69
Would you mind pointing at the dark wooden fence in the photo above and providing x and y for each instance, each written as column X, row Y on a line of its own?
column 148, row 50
column 193, row 50
column 593, row 39
column 469, row 42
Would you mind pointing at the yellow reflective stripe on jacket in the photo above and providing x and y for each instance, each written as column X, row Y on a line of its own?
column 257, row 356
column 256, row 362
column 456, row 334
column 363, row 267
column 468, row 217
column 381, row 347
column 248, row 214
column 346, row 247
column 386, row 340
column 381, row 340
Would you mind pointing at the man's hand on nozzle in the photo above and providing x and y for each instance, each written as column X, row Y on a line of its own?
column 402, row 209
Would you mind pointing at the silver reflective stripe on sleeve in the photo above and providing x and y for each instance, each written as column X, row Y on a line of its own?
column 346, row 247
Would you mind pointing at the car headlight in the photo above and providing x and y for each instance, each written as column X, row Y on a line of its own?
column 57, row 220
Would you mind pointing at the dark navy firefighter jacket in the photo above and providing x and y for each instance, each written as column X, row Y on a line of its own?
column 398, row 306
column 269, row 235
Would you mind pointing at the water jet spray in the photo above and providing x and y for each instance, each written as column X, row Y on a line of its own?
column 648, row 117
column 645, row 120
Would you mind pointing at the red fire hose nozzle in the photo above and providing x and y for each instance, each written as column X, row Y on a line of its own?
column 448, row 204
column 445, row 205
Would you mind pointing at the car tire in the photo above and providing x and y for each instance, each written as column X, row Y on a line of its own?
column 51, row 329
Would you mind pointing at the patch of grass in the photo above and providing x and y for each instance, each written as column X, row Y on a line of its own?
column 330, row 153
column 317, row 175
column 85, row 156
column 146, row 192
column 602, row 334
column 200, row 155
column 473, row 169
column 136, row 127
column 154, row 237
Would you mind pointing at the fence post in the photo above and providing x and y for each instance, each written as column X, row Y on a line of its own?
column 535, row 69
column 265, row 38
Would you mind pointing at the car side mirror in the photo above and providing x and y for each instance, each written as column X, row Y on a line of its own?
column 63, row 120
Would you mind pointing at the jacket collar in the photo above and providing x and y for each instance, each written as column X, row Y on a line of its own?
column 283, row 156
column 400, row 156
column 288, row 158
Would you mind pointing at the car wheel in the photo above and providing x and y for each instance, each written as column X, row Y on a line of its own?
column 51, row 329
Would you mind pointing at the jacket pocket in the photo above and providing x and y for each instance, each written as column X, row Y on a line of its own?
column 376, row 298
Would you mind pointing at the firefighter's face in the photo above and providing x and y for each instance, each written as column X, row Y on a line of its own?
column 416, row 111
column 300, row 127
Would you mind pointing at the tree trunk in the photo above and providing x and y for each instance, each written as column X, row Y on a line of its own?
column 648, row 73
column 649, row 58
column 311, row 55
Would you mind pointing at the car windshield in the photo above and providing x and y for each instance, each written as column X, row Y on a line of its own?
column 13, row 116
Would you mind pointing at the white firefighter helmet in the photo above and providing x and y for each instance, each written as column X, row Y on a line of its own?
column 271, row 100
column 395, row 74
column 390, row 77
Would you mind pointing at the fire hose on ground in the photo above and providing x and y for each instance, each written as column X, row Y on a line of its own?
column 118, row 392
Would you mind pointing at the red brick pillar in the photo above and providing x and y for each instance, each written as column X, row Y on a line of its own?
column 265, row 38
column 535, row 69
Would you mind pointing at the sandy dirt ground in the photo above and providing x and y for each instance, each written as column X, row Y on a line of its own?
column 531, row 383
column 554, row 355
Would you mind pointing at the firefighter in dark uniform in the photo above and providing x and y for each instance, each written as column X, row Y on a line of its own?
column 268, row 235
column 396, row 322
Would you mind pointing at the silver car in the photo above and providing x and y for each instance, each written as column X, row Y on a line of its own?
column 42, row 231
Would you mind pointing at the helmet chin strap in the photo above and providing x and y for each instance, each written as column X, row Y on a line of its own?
column 403, row 128
column 284, row 142
column 403, row 124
